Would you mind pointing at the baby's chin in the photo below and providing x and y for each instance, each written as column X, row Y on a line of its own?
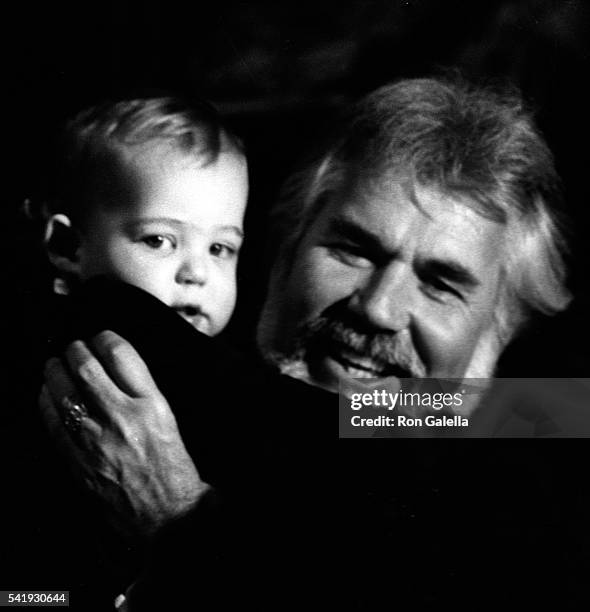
column 199, row 322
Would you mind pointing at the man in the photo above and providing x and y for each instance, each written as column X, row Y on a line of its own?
column 417, row 244
column 420, row 242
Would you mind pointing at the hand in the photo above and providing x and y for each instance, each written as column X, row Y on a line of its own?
column 127, row 449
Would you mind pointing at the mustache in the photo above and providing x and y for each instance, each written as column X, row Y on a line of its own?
column 392, row 350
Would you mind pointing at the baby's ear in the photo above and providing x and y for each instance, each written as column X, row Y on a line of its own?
column 62, row 242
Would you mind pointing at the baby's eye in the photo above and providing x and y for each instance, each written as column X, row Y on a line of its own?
column 159, row 242
column 223, row 251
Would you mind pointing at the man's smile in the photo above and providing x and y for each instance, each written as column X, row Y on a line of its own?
column 356, row 365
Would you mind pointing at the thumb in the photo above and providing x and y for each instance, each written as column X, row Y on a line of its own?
column 124, row 365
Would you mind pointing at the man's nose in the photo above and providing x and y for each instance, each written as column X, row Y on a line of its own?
column 385, row 298
column 193, row 270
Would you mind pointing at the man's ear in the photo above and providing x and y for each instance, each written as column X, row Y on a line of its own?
column 62, row 242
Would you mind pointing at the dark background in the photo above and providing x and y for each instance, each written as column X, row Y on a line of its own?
column 280, row 71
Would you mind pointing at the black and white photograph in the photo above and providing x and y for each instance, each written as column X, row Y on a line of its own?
column 233, row 226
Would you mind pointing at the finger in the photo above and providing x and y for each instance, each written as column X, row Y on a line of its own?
column 94, row 383
column 59, row 386
column 81, row 461
column 57, row 431
column 124, row 364
column 59, row 382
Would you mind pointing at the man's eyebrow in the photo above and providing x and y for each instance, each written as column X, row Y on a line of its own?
column 453, row 271
column 449, row 269
column 446, row 268
column 350, row 230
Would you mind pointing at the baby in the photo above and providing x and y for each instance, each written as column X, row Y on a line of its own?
column 153, row 193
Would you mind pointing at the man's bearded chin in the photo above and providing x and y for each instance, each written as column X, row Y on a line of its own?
column 373, row 354
column 394, row 353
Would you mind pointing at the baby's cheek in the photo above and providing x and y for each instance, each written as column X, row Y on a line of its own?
column 222, row 302
column 149, row 276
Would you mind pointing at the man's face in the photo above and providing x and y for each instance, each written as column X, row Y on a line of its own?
column 388, row 281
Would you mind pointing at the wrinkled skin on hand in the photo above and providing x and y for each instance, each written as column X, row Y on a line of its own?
column 127, row 452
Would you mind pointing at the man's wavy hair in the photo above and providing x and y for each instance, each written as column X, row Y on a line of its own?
column 477, row 145
column 95, row 142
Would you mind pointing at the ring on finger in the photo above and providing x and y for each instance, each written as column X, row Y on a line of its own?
column 74, row 412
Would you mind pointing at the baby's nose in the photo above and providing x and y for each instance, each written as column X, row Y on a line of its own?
column 193, row 271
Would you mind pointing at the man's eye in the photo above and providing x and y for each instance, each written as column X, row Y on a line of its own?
column 350, row 255
column 439, row 287
column 159, row 242
column 222, row 251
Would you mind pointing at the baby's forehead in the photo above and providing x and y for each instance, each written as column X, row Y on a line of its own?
column 153, row 158
column 162, row 181
column 164, row 153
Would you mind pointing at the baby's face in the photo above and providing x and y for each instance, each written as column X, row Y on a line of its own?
column 177, row 233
